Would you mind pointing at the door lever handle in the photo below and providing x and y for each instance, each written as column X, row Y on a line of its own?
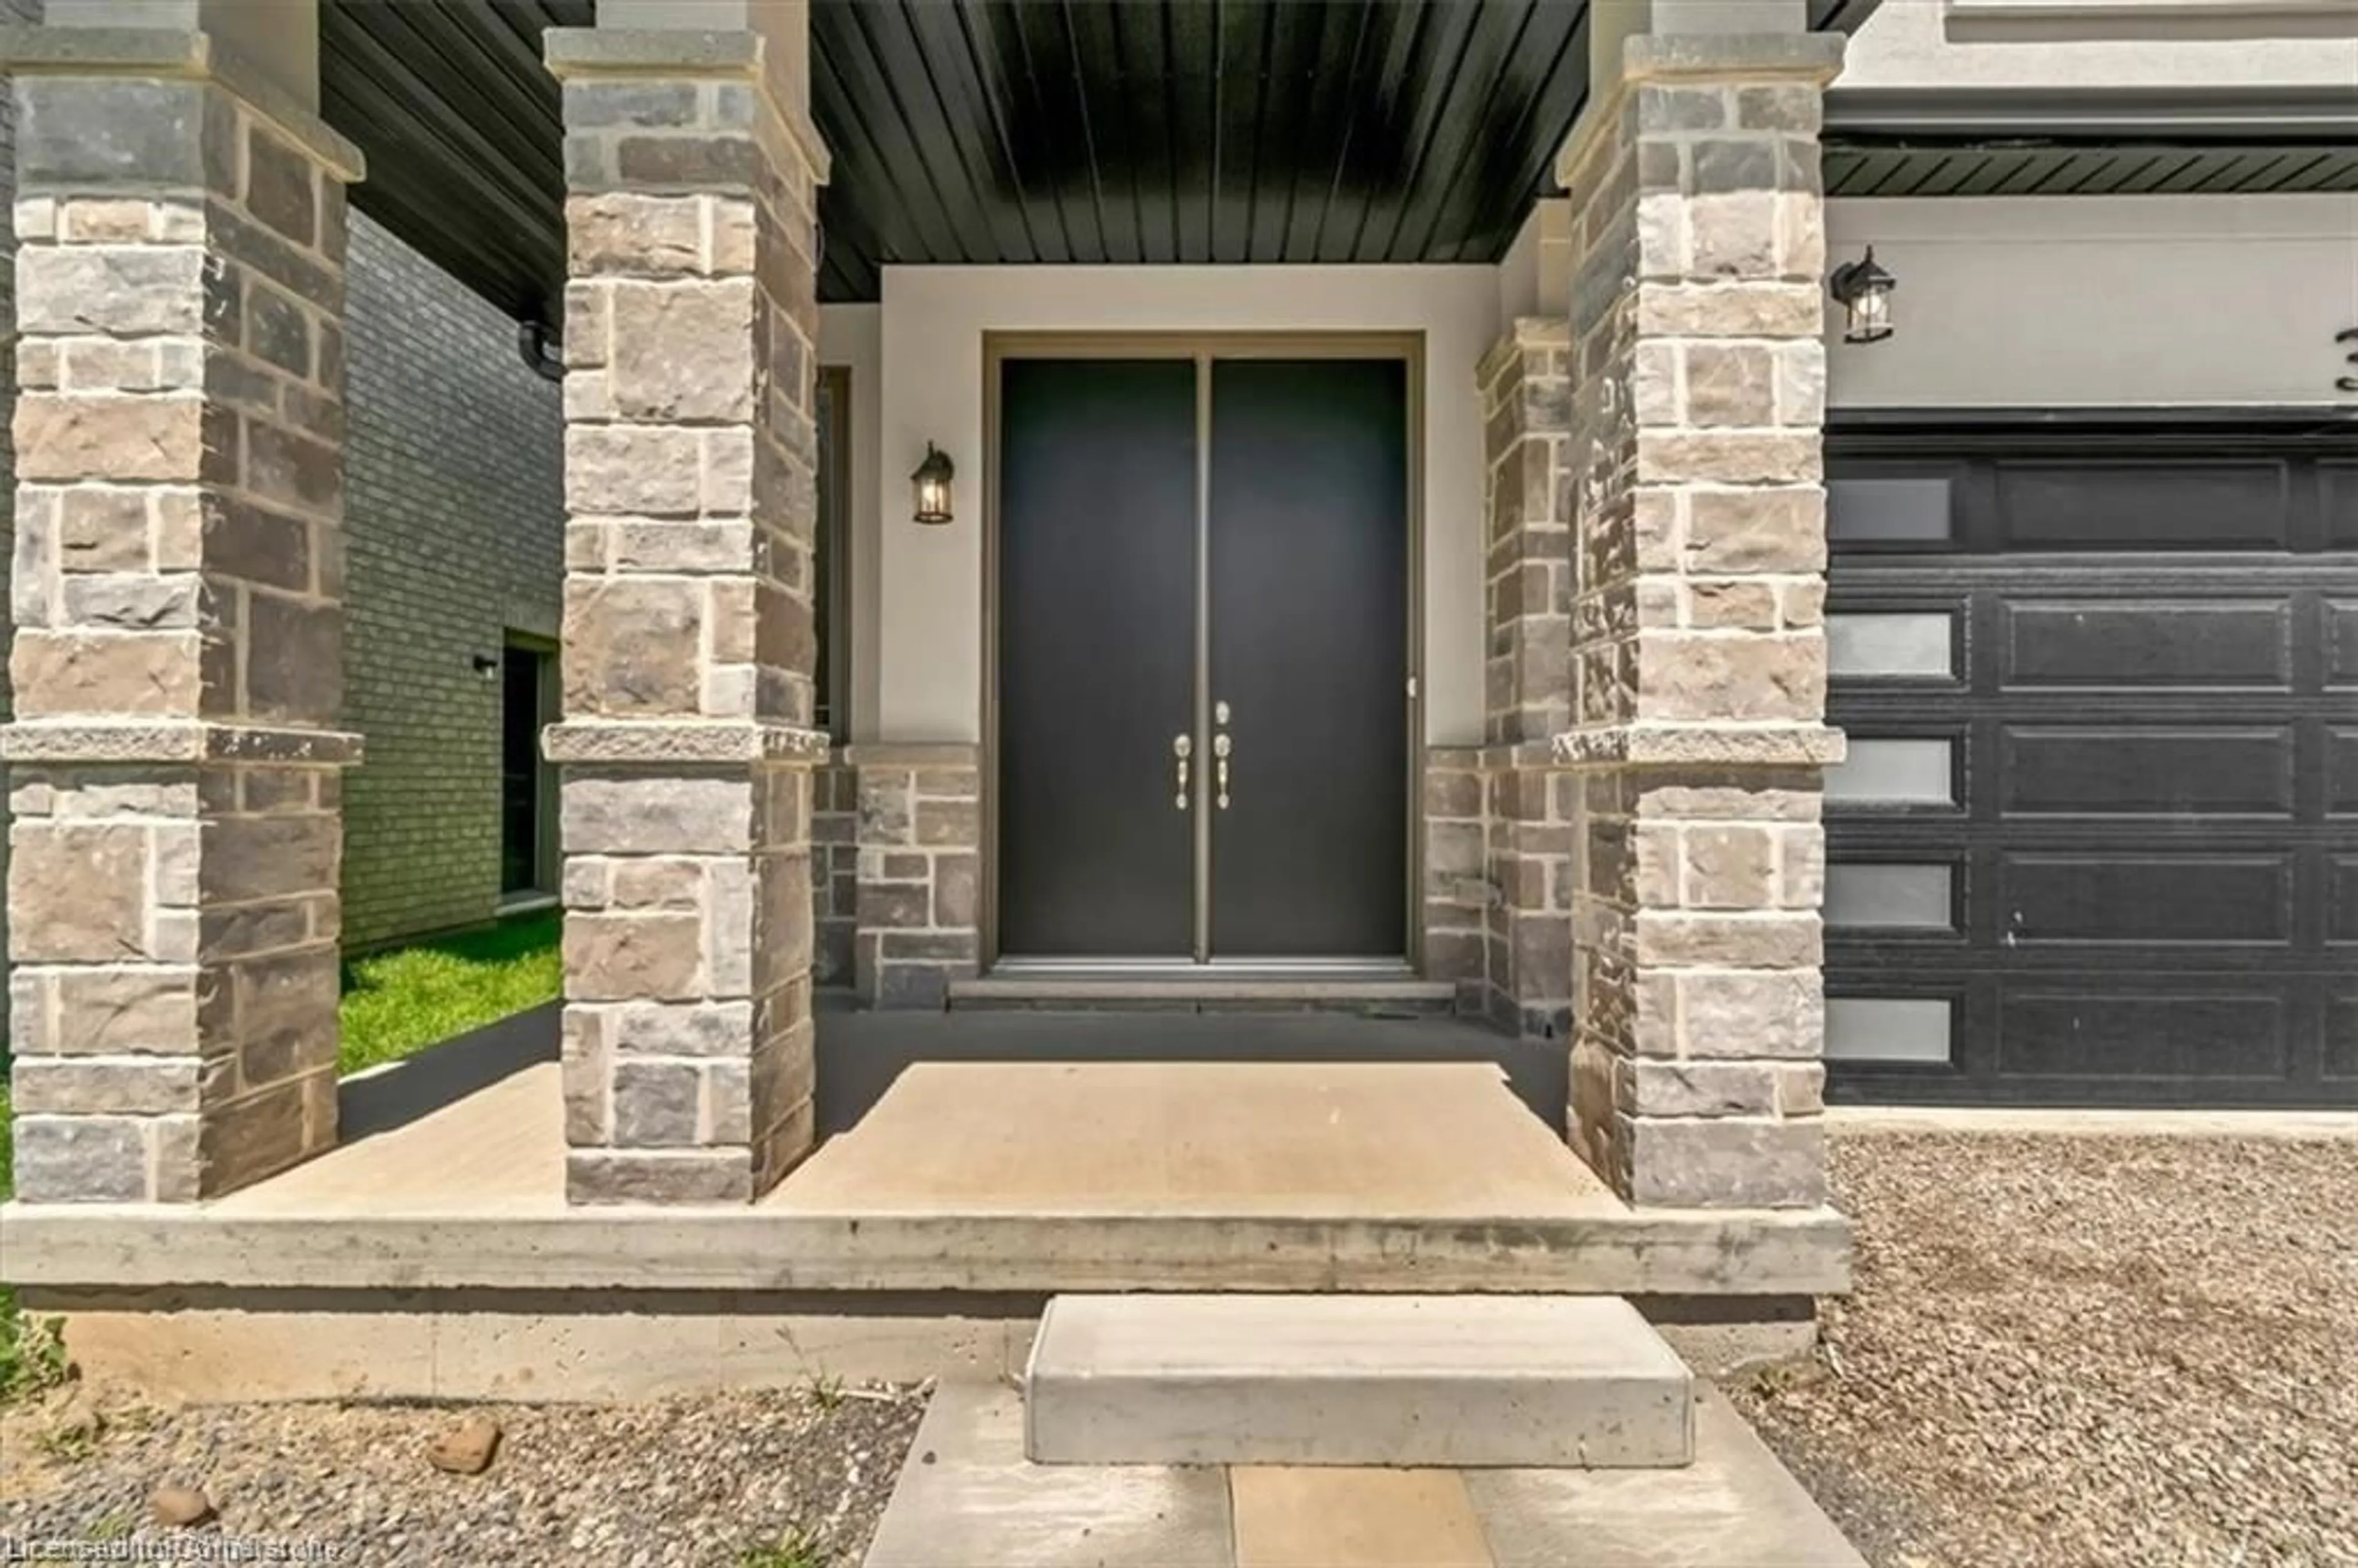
column 1220, row 747
column 1182, row 747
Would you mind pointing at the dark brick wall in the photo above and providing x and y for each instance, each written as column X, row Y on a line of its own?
column 455, row 521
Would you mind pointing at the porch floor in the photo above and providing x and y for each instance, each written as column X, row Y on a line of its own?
column 1017, row 1153
column 1431, row 1140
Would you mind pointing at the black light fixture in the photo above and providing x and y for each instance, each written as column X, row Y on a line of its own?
column 486, row 666
column 933, row 483
column 1864, row 289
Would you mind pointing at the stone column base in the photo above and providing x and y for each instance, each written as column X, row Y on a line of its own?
column 919, row 869
column 690, row 1051
column 173, row 946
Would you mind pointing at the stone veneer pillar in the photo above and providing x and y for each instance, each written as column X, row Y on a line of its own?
column 1699, row 655
column 691, row 320
column 1526, row 381
column 177, row 658
column 920, row 870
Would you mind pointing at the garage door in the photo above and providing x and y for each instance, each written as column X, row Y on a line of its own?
column 2097, row 838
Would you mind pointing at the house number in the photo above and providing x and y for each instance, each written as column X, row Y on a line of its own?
column 2348, row 383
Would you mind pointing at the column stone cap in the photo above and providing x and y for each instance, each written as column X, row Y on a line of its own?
column 1737, row 58
column 1698, row 745
column 143, row 740
column 659, row 742
column 1745, row 57
column 175, row 52
column 589, row 54
column 1521, row 335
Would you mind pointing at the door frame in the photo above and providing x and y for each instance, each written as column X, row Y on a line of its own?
column 1204, row 347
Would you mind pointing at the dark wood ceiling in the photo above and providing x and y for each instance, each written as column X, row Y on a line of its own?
column 1096, row 131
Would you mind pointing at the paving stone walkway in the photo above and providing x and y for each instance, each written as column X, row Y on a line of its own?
column 968, row 1496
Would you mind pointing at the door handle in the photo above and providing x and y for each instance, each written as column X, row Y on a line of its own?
column 1220, row 747
column 1182, row 747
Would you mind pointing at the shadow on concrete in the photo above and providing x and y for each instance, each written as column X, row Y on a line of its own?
column 861, row 1054
column 415, row 1086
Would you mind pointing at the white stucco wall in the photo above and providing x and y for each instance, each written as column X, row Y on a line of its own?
column 929, row 586
column 2033, row 301
column 1913, row 43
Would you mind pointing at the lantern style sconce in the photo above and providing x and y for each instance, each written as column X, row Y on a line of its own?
column 1864, row 291
column 931, row 481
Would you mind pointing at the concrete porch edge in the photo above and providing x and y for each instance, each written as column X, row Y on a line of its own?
column 1724, row 1253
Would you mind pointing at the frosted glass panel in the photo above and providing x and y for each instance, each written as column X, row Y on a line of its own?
column 1878, row 645
column 1886, row 1029
column 1883, row 510
column 1894, row 771
column 1887, row 896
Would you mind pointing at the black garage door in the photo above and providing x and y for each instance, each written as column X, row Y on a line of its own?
column 2097, row 838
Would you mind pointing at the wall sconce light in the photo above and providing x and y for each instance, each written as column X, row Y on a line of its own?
column 933, row 484
column 1864, row 291
column 486, row 666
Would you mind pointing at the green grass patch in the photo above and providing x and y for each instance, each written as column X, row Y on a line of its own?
column 399, row 1001
column 797, row 1550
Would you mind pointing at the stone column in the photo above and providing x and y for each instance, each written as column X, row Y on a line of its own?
column 176, row 659
column 687, row 745
column 1526, row 381
column 1698, row 656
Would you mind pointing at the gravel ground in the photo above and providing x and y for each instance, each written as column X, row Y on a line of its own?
column 783, row 1480
column 2095, row 1351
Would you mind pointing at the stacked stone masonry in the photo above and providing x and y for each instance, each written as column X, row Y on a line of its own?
column 688, row 645
column 176, row 657
column 1458, row 892
column 1699, row 661
column 834, row 872
column 1526, row 385
column 920, row 866
column 17, row 13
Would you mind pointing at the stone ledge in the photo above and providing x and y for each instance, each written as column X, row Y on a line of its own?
column 912, row 755
column 1689, row 745
column 625, row 742
column 38, row 50
column 170, row 741
column 583, row 54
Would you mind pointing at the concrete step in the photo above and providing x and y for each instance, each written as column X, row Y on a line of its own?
column 1454, row 1381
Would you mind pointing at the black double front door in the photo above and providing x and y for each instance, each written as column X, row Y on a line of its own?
column 1203, row 658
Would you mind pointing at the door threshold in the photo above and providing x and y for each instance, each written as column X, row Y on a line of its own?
column 1200, row 988
column 1221, row 969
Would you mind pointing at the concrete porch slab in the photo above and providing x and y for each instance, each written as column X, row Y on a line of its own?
column 980, row 1176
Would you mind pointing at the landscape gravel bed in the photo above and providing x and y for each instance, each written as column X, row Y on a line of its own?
column 2069, row 1351
column 773, row 1480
